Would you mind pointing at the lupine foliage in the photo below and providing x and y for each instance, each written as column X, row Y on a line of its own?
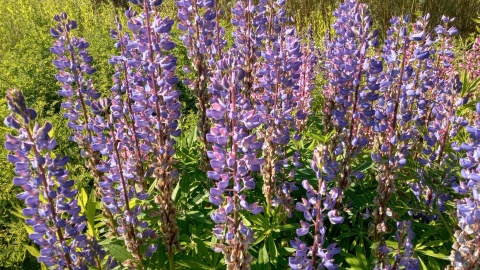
column 393, row 150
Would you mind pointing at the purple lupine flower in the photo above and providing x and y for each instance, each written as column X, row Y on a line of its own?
column 404, row 236
column 52, row 209
column 318, row 205
column 350, row 103
column 306, row 82
column 233, row 158
column 146, row 74
column 121, row 184
column 98, row 130
column 74, row 66
column 205, row 40
column 434, row 92
column 465, row 248
column 406, row 56
column 278, row 96
column 249, row 33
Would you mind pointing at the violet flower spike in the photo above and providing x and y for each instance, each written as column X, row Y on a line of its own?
column 349, row 102
column 233, row 158
column 205, row 40
column 277, row 96
column 74, row 65
column 152, row 68
column 318, row 203
column 466, row 243
column 52, row 208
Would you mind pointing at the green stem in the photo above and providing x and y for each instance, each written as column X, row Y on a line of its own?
column 171, row 263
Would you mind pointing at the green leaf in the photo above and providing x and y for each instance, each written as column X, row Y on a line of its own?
column 119, row 252
column 272, row 250
column 82, row 198
column 33, row 251
column 288, row 227
column 192, row 263
column 17, row 212
column 263, row 257
column 200, row 197
column 363, row 167
column 259, row 239
column 354, row 261
column 434, row 243
column 430, row 253
column 90, row 214
column 175, row 191
column 361, row 256
column 28, row 228
column 152, row 187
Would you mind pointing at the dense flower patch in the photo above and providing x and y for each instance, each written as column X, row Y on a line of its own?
column 393, row 148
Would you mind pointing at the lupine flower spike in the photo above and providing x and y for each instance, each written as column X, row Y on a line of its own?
column 279, row 94
column 233, row 159
column 74, row 66
column 52, row 208
column 466, row 248
column 150, row 81
column 349, row 102
column 319, row 204
column 205, row 40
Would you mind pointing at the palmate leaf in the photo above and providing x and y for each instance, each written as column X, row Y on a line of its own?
column 189, row 262
column 357, row 261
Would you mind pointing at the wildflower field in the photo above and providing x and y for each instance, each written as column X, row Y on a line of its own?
column 249, row 134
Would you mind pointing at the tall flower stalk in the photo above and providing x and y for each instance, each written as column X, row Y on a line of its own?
column 406, row 55
column 277, row 94
column 464, row 254
column 147, row 75
column 52, row 208
column 205, row 41
column 74, row 66
column 318, row 204
column 233, row 158
column 352, row 87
